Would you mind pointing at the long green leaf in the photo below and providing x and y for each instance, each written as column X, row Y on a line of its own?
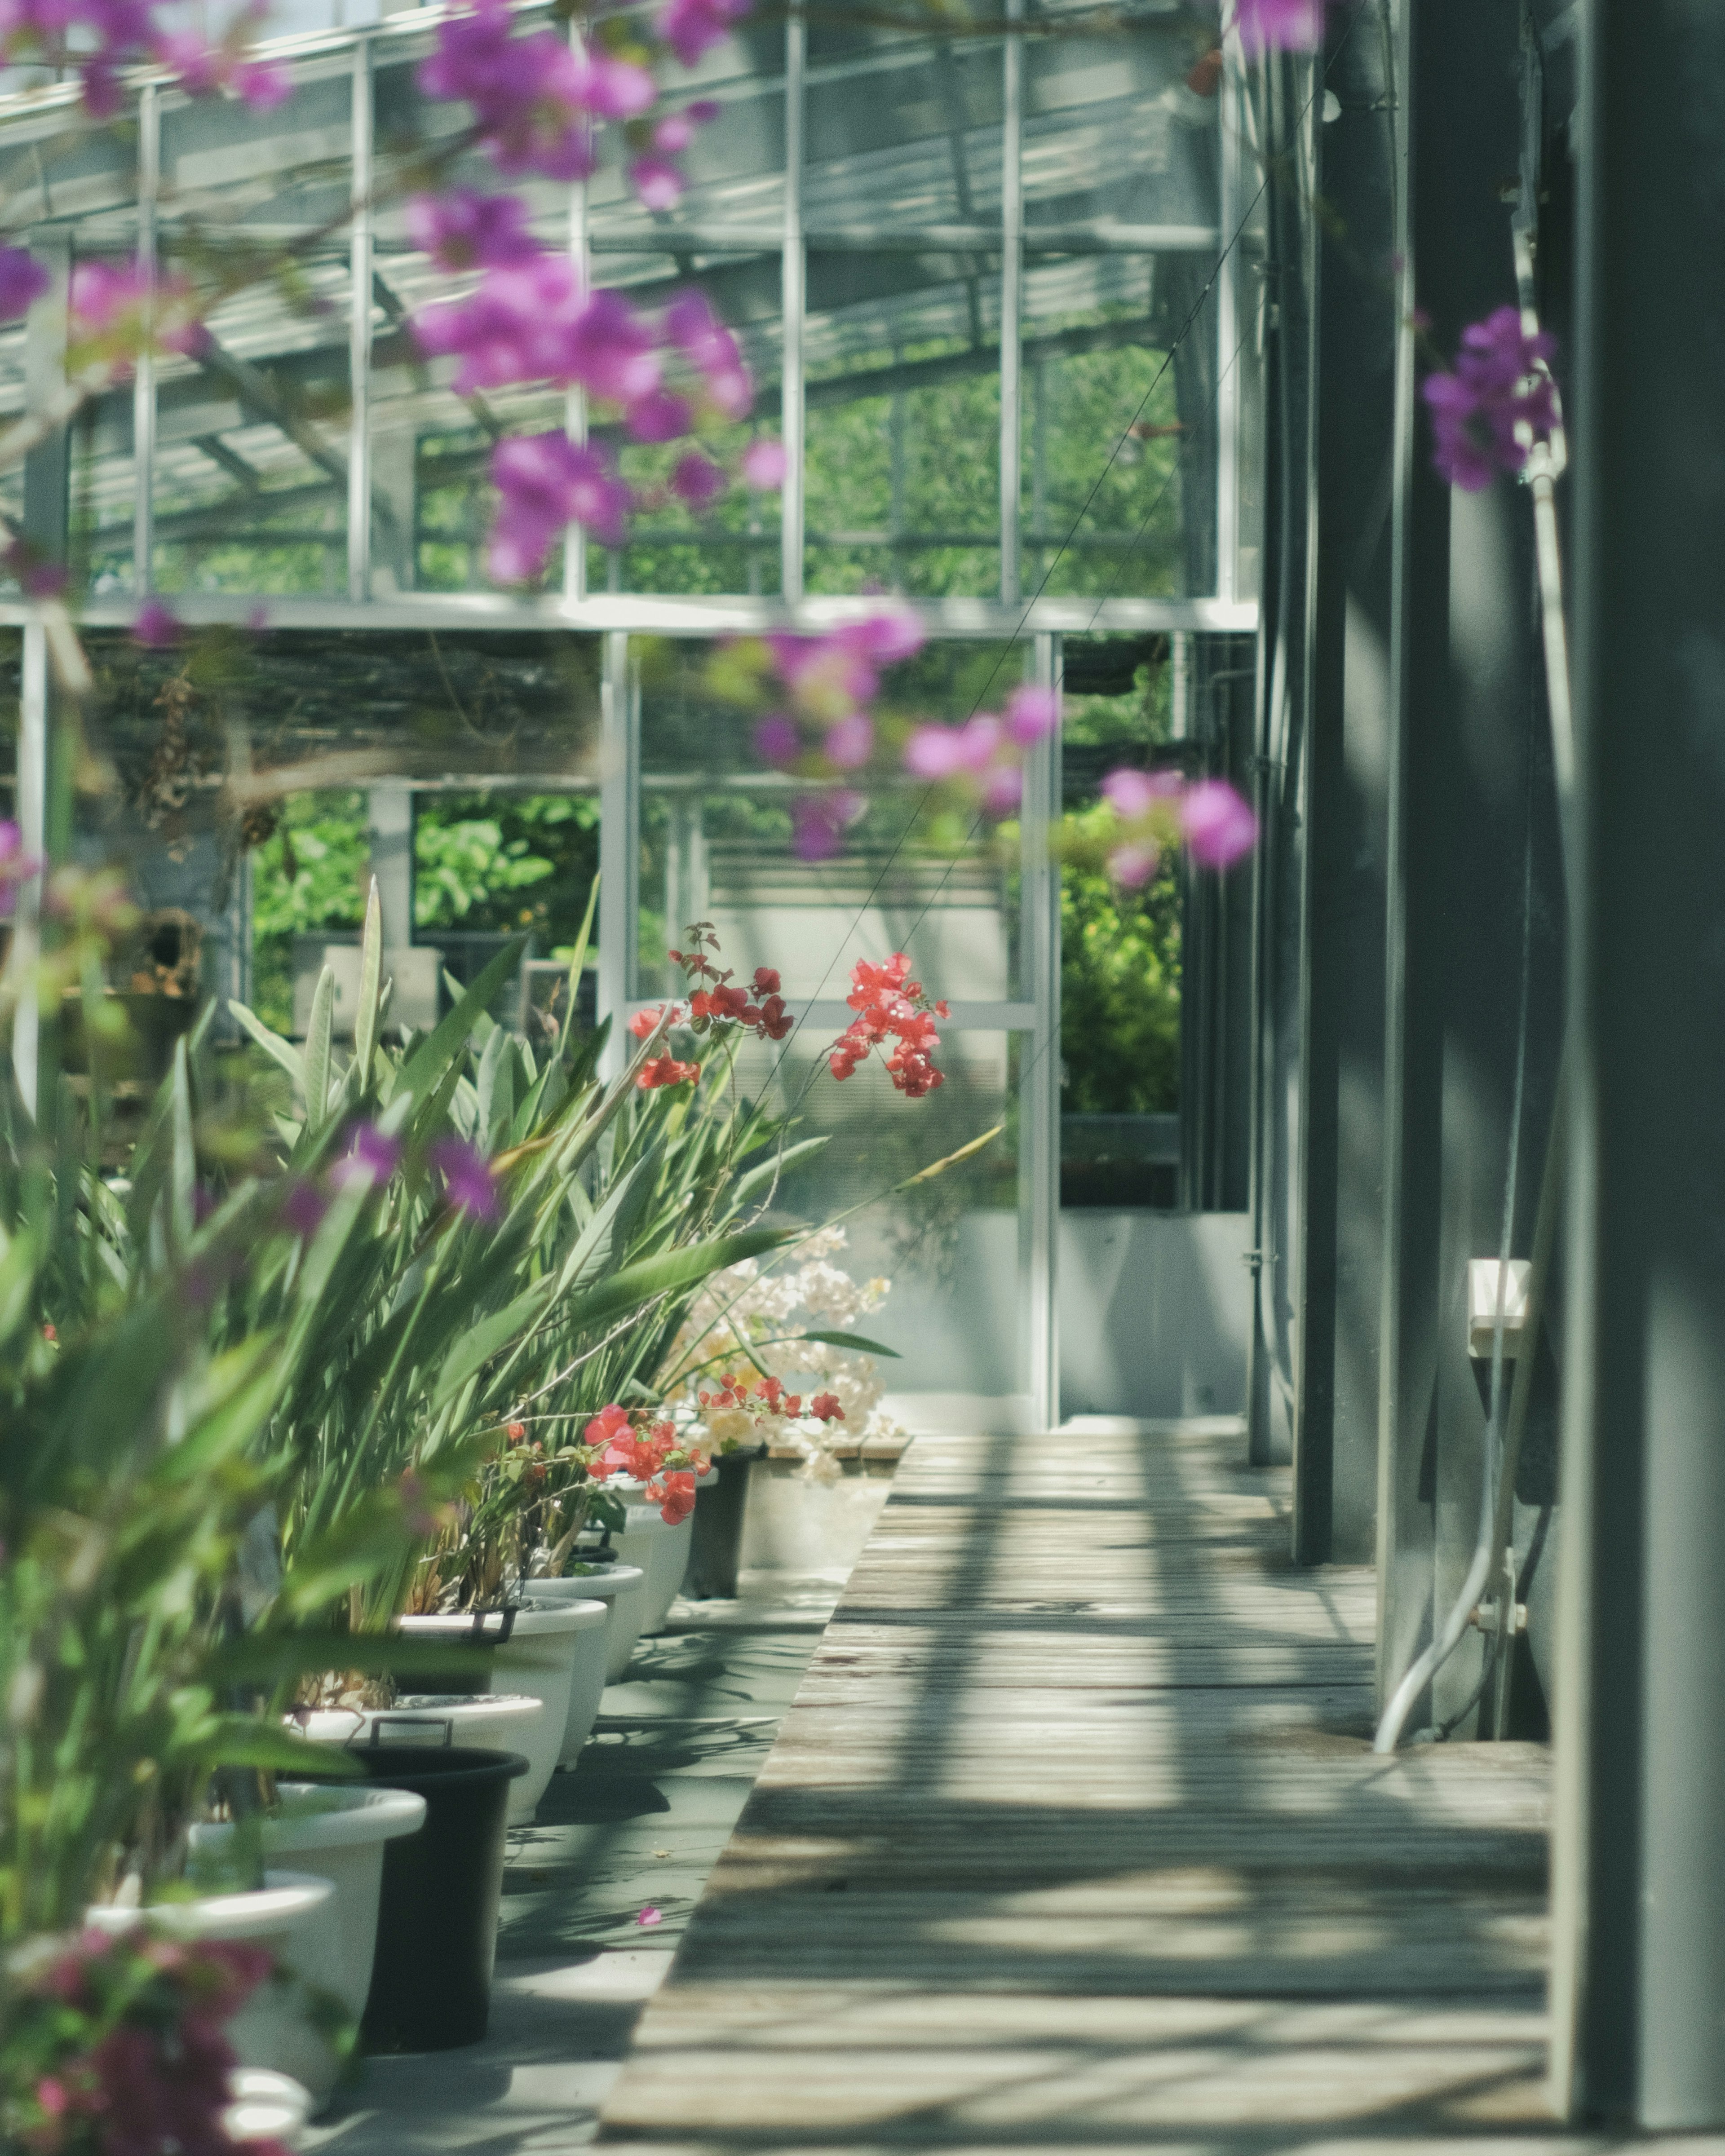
column 577, row 965
column 859, row 1342
column 317, row 1050
column 676, row 1269
column 425, row 1066
column 272, row 1043
column 475, row 1348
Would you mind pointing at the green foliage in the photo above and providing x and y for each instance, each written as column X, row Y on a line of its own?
column 1120, row 987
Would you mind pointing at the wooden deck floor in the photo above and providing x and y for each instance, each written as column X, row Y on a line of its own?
column 1073, row 1839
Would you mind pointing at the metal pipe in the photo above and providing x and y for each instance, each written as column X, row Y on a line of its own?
column 359, row 336
column 143, row 393
column 793, row 287
column 1012, row 285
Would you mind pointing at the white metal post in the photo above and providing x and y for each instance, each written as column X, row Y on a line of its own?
column 1039, row 1083
column 619, row 844
column 143, row 393
column 1231, row 118
column 575, row 410
column 359, row 339
column 1012, row 282
column 33, row 830
column 794, row 302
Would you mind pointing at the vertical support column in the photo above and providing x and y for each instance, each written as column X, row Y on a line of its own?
column 1012, row 288
column 1040, row 1101
column 575, row 410
column 619, row 843
column 1346, row 815
column 359, row 336
column 143, row 393
column 389, row 815
column 794, row 292
column 1475, row 903
column 46, row 519
column 33, row 832
column 1229, row 107
column 1638, row 1863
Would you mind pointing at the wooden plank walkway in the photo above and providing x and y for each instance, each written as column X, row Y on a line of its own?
column 1073, row 1839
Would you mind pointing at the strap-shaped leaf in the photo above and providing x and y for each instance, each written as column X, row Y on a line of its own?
column 183, row 1181
column 859, row 1342
column 668, row 1274
column 317, row 1050
column 475, row 1348
column 577, row 965
column 426, row 1064
column 272, row 1043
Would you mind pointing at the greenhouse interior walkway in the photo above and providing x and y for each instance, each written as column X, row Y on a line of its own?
column 1072, row 1837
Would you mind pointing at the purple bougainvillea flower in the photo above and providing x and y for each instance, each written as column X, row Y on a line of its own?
column 820, row 821
column 777, row 741
column 23, row 282
column 1032, row 713
column 469, row 1183
column 464, row 230
column 1134, row 793
column 1498, row 401
column 649, row 1916
column 546, row 482
column 37, row 578
column 370, row 1154
column 763, row 465
column 156, row 625
column 851, row 742
column 657, row 181
column 1287, row 26
column 1219, row 823
column 303, row 1206
column 692, row 27
column 698, row 481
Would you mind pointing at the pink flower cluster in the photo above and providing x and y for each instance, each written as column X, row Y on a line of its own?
column 1497, row 403
column 1156, row 808
column 23, row 282
column 16, row 865
column 116, row 313
column 985, row 755
column 891, row 1006
column 534, row 97
column 1287, row 26
column 95, row 39
column 137, row 2057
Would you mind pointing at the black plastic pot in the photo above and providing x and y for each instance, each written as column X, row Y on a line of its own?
column 437, row 1921
column 721, row 1500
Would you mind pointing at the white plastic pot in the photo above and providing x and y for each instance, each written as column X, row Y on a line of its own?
column 294, row 1915
column 265, row 2106
column 661, row 1551
column 622, row 1590
column 517, row 1720
column 587, row 1674
column 534, row 1651
column 336, row 1834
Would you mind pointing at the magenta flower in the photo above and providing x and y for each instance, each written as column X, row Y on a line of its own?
column 1219, row 823
column 820, row 821
column 777, row 741
column 371, row 1154
column 764, row 463
column 546, row 482
column 939, row 752
column 463, row 230
column 37, row 576
column 124, row 312
column 156, row 626
column 1032, row 713
column 533, row 98
column 1487, row 414
column 533, row 322
column 675, row 133
column 303, row 1206
column 1135, row 794
column 658, row 417
column 23, row 282
column 657, row 181
column 1287, row 26
column 1133, row 864
column 16, row 865
column 692, row 27
column 850, row 743
column 468, row 1184
column 698, row 481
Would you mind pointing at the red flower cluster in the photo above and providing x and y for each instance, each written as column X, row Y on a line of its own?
column 891, row 1006
column 652, row 1455
column 716, row 1007
column 765, row 1396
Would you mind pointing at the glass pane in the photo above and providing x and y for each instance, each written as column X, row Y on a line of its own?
column 717, row 835
column 1114, row 131
column 251, row 458
column 951, row 1247
column 904, row 424
column 900, row 131
column 1116, row 360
